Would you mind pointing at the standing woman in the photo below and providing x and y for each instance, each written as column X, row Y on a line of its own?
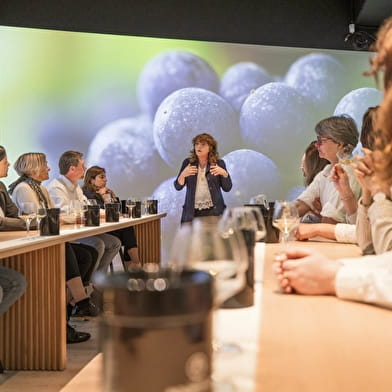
column 204, row 175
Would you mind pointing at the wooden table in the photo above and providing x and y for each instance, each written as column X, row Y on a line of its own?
column 305, row 344
column 32, row 331
column 321, row 343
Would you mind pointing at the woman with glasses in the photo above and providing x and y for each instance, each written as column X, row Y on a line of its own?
column 334, row 134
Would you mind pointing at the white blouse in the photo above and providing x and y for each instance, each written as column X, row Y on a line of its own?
column 202, row 196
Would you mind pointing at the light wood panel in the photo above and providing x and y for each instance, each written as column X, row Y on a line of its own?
column 322, row 343
column 33, row 329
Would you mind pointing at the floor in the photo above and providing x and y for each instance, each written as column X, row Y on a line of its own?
column 78, row 355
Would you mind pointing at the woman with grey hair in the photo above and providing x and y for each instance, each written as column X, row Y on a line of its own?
column 334, row 134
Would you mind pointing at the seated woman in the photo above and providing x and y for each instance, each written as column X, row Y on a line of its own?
column 333, row 134
column 94, row 187
column 361, row 232
column 80, row 259
column 368, row 278
column 311, row 165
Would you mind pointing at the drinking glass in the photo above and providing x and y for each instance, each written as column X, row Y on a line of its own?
column 27, row 212
column 346, row 156
column 285, row 218
column 74, row 210
column 130, row 204
column 41, row 213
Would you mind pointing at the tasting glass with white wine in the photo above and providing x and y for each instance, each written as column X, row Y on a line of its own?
column 285, row 218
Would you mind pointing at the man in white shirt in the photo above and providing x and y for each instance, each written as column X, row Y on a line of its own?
column 65, row 188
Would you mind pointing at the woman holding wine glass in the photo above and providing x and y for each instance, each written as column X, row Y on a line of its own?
column 80, row 259
column 334, row 134
column 94, row 188
column 204, row 175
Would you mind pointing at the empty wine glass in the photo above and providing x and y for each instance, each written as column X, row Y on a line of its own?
column 285, row 218
column 41, row 213
column 130, row 204
column 27, row 212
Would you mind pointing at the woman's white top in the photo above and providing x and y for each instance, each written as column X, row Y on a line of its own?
column 323, row 187
column 202, row 196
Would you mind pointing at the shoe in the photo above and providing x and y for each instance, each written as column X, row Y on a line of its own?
column 85, row 308
column 96, row 298
column 74, row 336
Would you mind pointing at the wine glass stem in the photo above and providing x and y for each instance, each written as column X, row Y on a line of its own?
column 28, row 228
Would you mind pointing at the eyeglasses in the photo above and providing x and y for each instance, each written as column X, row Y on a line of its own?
column 322, row 140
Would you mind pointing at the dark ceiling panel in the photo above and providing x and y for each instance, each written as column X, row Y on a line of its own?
column 302, row 23
column 373, row 12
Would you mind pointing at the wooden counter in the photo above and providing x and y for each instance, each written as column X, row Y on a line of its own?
column 32, row 331
column 306, row 344
column 321, row 343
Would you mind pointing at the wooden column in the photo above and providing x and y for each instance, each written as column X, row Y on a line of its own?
column 32, row 331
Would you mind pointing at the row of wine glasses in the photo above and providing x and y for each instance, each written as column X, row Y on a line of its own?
column 29, row 211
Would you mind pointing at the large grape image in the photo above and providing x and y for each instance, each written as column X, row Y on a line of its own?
column 171, row 71
column 278, row 121
column 171, row 202
column 252, row 173
column 125, row 148
column 188, row 112
column 356, row 102
column 240, row 80
column 321, row 78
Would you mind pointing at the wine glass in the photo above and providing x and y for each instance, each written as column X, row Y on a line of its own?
column 285, row 218
column 27, row 212
column 130, row 204
column 74, row 210
column 345, row 155
column 41, row 213
column 83, row 209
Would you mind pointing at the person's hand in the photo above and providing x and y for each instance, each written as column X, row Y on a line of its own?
column 364, row 171
column 218, row 171
column 189, row 170
column 317, row 207
column 341, row 180
column 306, row 271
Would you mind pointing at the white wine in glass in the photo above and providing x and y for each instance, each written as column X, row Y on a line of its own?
column 285, row 218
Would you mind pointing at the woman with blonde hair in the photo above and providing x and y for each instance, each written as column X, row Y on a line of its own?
column 80, row 259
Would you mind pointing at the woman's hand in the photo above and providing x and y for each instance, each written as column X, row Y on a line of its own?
column 218, row 171
column 189, row 170
column 340, row 179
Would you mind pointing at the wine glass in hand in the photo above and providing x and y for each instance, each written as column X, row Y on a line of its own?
column 285, row 218
column 27, row 212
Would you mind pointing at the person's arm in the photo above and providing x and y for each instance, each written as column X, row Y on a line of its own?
column 363, row 229
column 306, row 199
column 367, row 279
column 342, row 185
column 310, row 230
column 224, row 177
column 186, row 170
column 302, row 207
column 380, row 218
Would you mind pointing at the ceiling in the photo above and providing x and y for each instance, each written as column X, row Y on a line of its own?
column 300, row 23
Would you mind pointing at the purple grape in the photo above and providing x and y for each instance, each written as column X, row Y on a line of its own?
column 252, row 173
column 279, row 122
column 320, row 78
column 125, row 148
column 239, row 81
column 171, row 71
column 356, row 102
column 188, row 112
